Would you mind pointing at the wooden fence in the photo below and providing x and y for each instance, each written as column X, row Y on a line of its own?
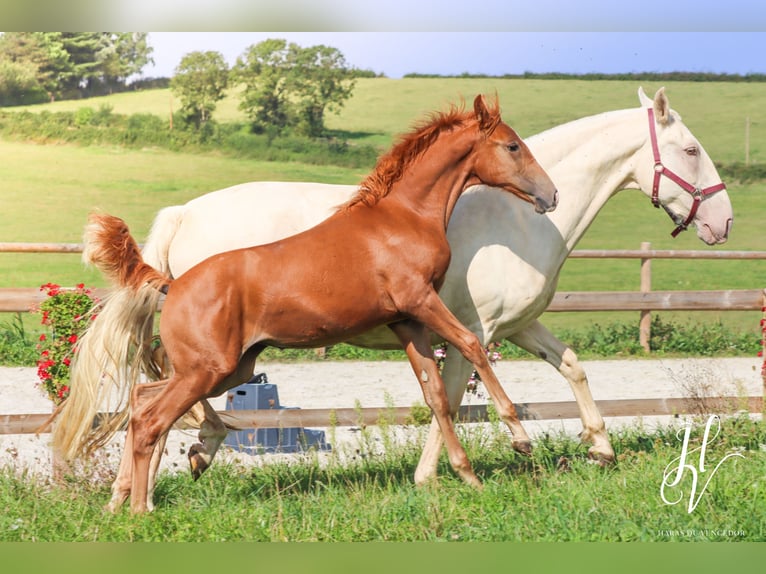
column 643, row 301
column 288, row 418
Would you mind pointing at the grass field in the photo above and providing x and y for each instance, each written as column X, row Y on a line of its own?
column 47, row 190
column 373, row 498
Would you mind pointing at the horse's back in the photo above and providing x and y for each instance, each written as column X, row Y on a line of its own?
column 250, row 214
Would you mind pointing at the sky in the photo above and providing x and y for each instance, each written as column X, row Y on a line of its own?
column 395, row 37
column 494, row 53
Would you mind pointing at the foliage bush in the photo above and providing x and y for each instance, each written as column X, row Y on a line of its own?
column 87, row 126
column 16, row 346
column 669, row 338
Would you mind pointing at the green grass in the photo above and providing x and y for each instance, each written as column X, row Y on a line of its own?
column 372, row 498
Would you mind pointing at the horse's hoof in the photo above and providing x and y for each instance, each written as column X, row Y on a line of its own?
column 523, row 447
column 604, row 460
column 196, row 462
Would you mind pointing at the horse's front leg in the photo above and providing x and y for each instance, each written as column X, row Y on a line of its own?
column 433, row 313
column 541, row 342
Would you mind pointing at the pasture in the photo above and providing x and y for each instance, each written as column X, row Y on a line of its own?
column 48, row 190
column 50, row 203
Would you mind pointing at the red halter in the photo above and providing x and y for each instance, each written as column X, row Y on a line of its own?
column 659, row 170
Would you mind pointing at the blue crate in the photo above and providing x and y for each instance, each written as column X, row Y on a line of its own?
column 258, row 393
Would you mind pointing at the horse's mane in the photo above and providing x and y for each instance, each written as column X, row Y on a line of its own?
column 408, row 148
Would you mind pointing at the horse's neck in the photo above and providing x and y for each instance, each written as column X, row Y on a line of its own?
column 431, row 189
column 590, row 160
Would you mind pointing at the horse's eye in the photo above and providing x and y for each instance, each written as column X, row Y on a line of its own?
column 692, row 151
column 514, row 146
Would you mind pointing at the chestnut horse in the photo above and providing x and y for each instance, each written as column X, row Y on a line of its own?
column 379, row 260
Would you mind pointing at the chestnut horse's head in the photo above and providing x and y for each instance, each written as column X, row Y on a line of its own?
column 504, row 161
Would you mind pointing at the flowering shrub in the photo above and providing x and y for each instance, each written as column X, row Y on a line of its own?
column 65, row 312
column 493, row 355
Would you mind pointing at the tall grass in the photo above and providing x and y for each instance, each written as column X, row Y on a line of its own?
column 555, row 495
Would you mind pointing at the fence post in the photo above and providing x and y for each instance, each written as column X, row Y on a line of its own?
column 763, row 351
column 645, row 322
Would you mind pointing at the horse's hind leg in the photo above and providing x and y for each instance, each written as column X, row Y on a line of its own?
column 212, row 430
column 122, row 484
column 539, row 341
column 455, row 374
column 416, row 341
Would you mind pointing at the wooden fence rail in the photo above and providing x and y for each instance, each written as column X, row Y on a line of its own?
column 287, row 418
column 19, row 300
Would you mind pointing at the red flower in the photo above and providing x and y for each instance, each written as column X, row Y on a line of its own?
column 43, row 337
column 72, row 339
column 51, row 288
column 67, row 361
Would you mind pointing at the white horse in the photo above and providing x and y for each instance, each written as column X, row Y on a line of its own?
column 501, row 277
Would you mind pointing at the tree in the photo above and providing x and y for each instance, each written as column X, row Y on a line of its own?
column 200, row 81
column 123, row 55
column 38, row 53
column 264, row 71
column 75, row 63
column 323, row 82
column 290, row 86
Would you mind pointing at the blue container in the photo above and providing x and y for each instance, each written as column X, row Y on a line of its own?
column 257, row 394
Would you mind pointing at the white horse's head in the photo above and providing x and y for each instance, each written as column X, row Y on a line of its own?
column 683, row 179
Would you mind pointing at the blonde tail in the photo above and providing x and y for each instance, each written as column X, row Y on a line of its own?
column 116, row 348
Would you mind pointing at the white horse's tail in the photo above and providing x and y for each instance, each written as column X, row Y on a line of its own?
column 157, row 247
column 116, row 347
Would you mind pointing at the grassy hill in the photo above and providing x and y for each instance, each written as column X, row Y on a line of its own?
column 382, row 107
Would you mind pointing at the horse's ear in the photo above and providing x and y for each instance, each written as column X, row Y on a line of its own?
column 483, row 115
column 661, row 106
column 643, row 99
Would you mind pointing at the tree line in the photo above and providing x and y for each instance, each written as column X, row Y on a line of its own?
column 45, row 66
column 285, row 87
